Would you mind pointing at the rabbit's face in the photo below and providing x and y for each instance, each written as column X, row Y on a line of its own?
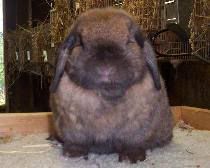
column 106, row 57
column 107, row 67
column 104, row 52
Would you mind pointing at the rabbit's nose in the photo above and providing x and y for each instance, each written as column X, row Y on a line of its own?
column 105, row 70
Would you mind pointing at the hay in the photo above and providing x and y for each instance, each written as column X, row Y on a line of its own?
column 147, row 13
column 11, row 43
column 19, row 42
column 61, row 19
column 84, row 5
column 33, row 40
column 200, row 28
column 65, row 12
column 41, row 43
column 29, row 50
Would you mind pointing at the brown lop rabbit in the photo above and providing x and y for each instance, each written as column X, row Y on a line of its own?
column 107, row 95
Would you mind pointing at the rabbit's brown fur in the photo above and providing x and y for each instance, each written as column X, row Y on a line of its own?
column 123, row 110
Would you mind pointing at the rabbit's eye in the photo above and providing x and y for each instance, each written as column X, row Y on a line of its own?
column 131, row 40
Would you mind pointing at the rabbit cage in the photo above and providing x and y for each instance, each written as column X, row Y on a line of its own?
column 179, row 31
column 191, row 40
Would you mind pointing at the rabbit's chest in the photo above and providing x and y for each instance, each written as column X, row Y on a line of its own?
column 82, row 110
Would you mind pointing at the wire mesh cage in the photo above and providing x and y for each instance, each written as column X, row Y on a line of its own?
column 177, row 42
column 169, row 46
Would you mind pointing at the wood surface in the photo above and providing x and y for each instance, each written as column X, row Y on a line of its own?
column 196, row 117
column 25, row 123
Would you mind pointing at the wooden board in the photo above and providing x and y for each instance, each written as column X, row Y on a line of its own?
column 196, row 117
column 176, row 110
column 27, row 123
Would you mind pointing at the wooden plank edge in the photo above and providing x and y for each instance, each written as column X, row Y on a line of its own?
column 176, row 111
column 196, row 117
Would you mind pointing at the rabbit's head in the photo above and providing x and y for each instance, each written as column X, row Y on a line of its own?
column 105, row 51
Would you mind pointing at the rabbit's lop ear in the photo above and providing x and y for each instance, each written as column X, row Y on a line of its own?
column 150, row 58
column 152, row 64
column 63, row 54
